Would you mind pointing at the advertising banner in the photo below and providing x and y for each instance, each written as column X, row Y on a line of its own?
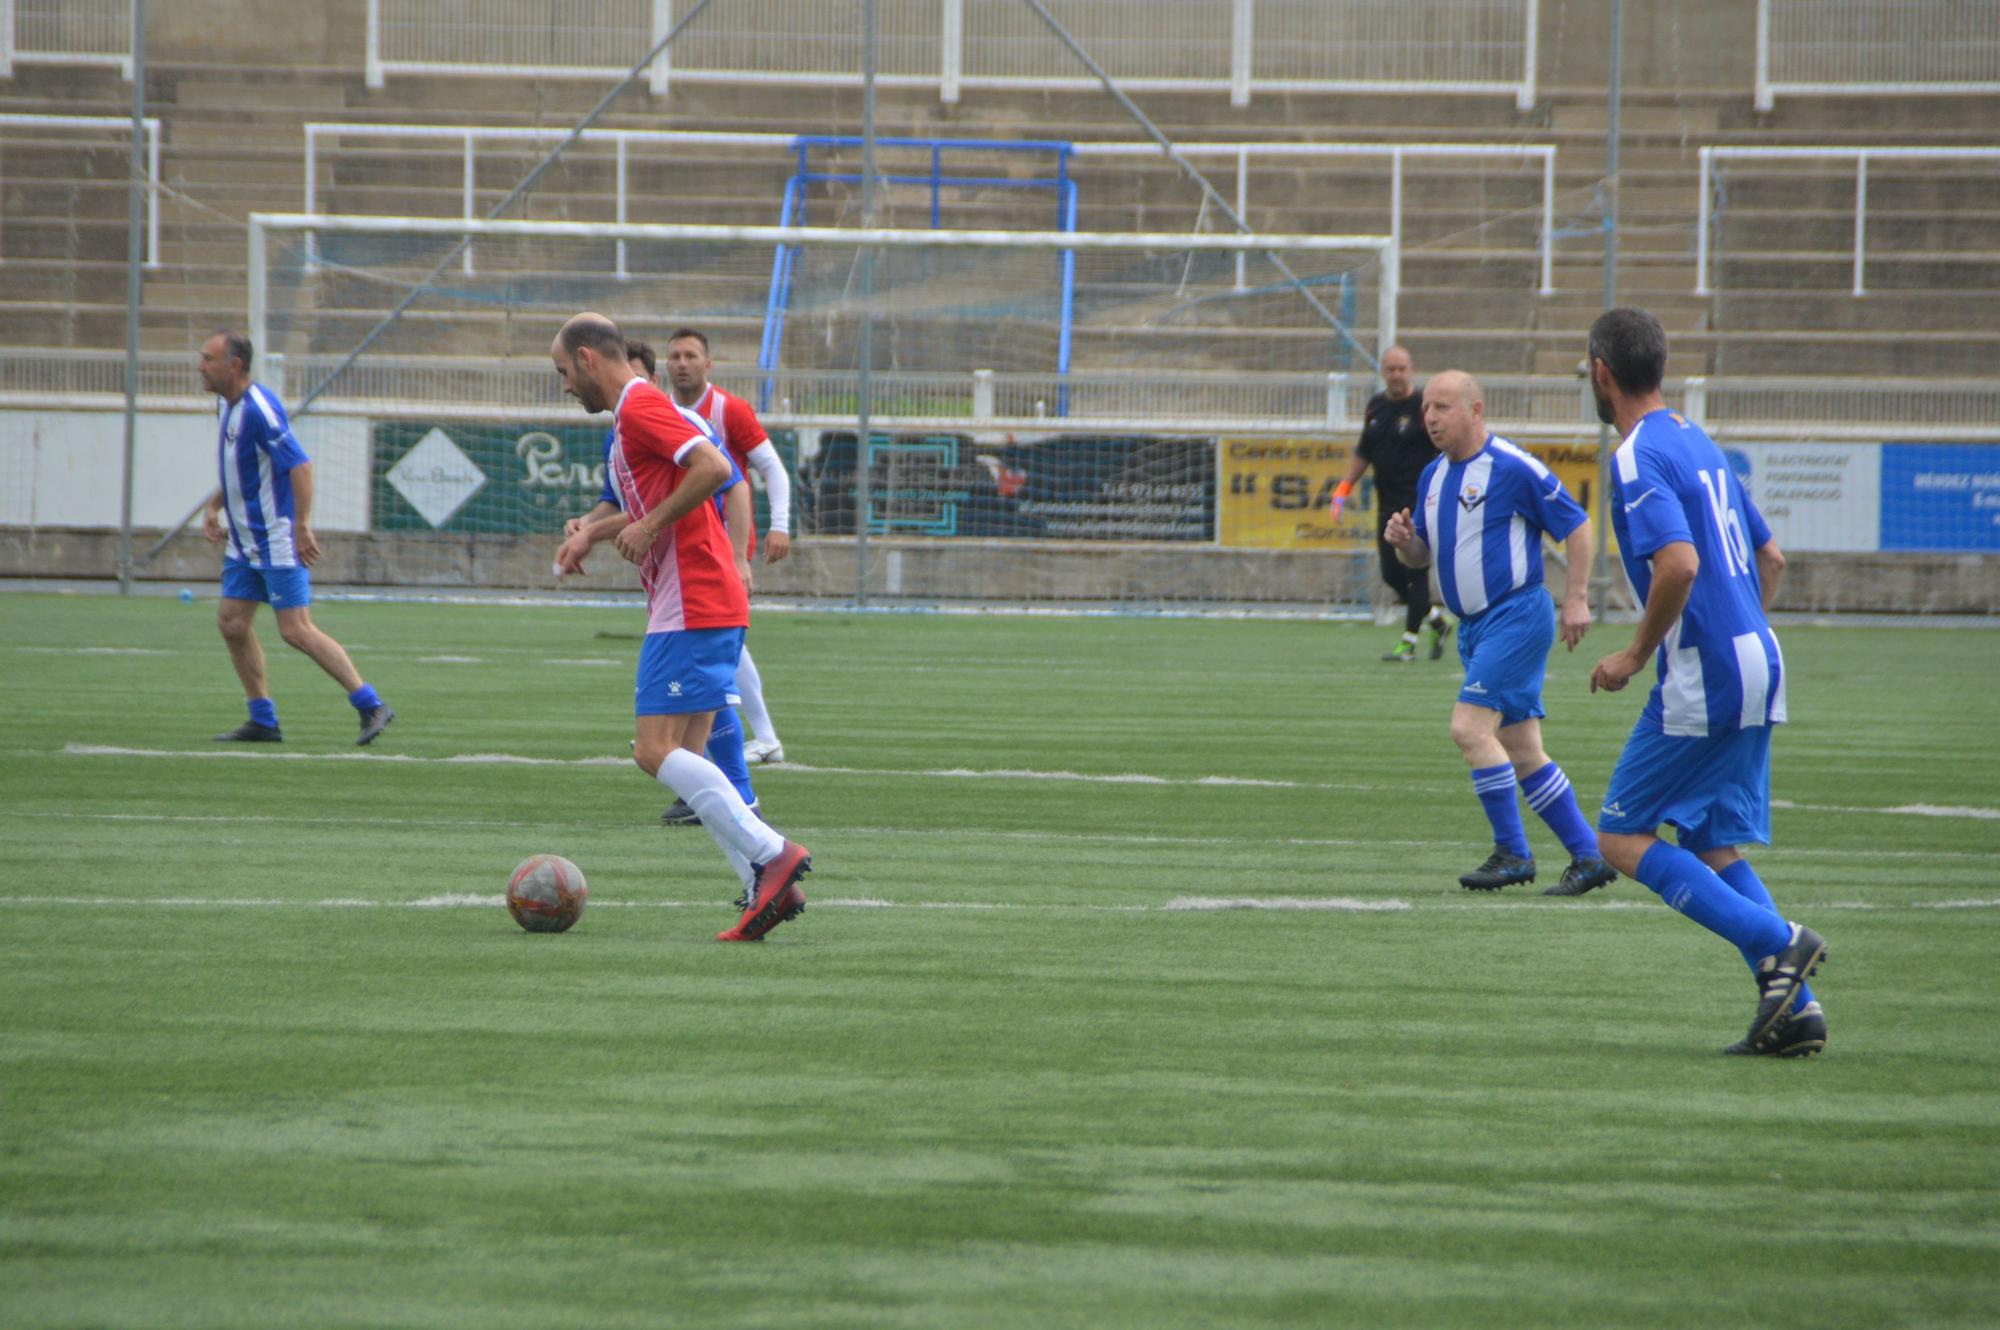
column 494, row 479
column 1064, row 487
column 1941, row 496
column 1276, row 492
column 1815, row 496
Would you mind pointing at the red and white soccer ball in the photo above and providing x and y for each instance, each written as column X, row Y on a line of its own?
column 546, row 893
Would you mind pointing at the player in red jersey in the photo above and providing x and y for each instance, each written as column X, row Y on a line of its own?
column 736, row 427
column 667, row 471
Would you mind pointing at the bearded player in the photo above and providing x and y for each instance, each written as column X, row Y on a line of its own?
column 666, row 471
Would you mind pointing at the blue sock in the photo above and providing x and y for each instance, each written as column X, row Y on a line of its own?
column 264, row 711
column 1548, row 792
column 725, row 749
column 1691, row 887
column 1744, row 880
column 364, row 698
column 1496, row 788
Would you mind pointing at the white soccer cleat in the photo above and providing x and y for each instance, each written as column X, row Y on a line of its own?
column 757, row 752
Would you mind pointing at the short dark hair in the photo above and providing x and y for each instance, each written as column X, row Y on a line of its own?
column 643, row 353
column 695, row 333
column 236, row 346
column 1634, row 345
column 596, row 332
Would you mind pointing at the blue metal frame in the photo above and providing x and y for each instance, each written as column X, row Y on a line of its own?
column 793, row 212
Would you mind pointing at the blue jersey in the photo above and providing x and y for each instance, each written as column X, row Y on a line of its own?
column 254, row 454
column 1719, row 668
column 1488, row 514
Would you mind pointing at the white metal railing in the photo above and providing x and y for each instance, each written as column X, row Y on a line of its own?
column 1530, row 407
column 1868, row 47
column 469, row 138
column 66, row 32
column 1234, row 46
column 1242, row 155
column 111, row 124
column 1710, row 156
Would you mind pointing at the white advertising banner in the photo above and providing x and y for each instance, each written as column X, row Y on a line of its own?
column 1816, row 496
column 63, row 468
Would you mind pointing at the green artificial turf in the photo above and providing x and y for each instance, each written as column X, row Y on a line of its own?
column 272, row 1054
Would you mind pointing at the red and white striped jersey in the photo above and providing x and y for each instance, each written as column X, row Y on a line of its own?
column 690, row 573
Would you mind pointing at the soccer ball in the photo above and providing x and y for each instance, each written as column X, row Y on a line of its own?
column 546, row 893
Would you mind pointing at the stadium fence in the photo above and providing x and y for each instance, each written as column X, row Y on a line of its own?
column 1236, row 46
column 1850, row 48
column 1915, row 161
column 66, row 32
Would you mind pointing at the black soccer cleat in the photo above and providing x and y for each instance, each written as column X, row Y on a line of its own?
column 1585, row 873
column 373, row 722
column 252, row 732
column 1779, row 977
column 1801, row 1034
column 1501, row 869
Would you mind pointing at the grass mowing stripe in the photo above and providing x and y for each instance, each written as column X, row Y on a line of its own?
column 1003, row 1084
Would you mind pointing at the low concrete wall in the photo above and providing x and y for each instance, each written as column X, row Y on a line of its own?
column 918, row 572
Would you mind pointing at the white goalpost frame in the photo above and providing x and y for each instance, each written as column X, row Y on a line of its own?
column 262, row 225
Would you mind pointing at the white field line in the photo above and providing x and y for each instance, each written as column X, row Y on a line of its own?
column 938, row 773
column 96, row 651
column 1178, row 905
column 510, row 759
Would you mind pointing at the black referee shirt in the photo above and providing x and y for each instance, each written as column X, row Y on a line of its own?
column 1395, row 443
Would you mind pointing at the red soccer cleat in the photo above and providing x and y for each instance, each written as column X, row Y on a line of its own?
column 778, row 896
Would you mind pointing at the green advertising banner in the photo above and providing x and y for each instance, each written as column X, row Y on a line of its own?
column 490, row 477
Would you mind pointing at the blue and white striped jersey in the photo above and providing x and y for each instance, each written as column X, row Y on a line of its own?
column 1488, row 514
column 1720, row 668
column 255, row 453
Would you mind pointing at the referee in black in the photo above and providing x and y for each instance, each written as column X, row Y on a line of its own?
column 1395, row 442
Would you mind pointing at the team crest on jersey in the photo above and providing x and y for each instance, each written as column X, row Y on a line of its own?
column 1471, row 497
column 1402, row 424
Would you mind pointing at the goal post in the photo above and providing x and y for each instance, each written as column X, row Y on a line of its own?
column 1056, row 390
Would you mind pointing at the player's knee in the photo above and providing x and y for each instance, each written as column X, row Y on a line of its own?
column 1469, row 734
column 1623, row 852
column 298, row 635
column 233, row 626
column 649, row 756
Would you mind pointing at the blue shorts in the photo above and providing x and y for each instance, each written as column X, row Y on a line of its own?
column 282, row 588
column 1715, row 789
column 690, row 671
column 1506, row 653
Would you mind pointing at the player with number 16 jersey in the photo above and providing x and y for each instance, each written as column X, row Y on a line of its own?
column 1719, row 667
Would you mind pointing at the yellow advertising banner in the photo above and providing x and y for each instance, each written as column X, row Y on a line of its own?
column 1276, row 492
column 1275, row 495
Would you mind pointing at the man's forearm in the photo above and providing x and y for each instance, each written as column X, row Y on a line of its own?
column 301, row 477
column 602, row 523
column 1665, row 600
column 1577, row 549
column 1417, row 555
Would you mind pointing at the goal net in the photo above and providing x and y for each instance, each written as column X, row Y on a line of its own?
column 1052, row 414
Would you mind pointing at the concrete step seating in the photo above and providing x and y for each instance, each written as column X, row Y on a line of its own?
column 1471, row 264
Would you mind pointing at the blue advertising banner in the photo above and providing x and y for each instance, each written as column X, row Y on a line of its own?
column 1941, row 496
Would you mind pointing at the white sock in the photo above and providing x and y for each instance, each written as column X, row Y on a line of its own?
column 721, row 809
column 751, row 685
column 746, row 872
